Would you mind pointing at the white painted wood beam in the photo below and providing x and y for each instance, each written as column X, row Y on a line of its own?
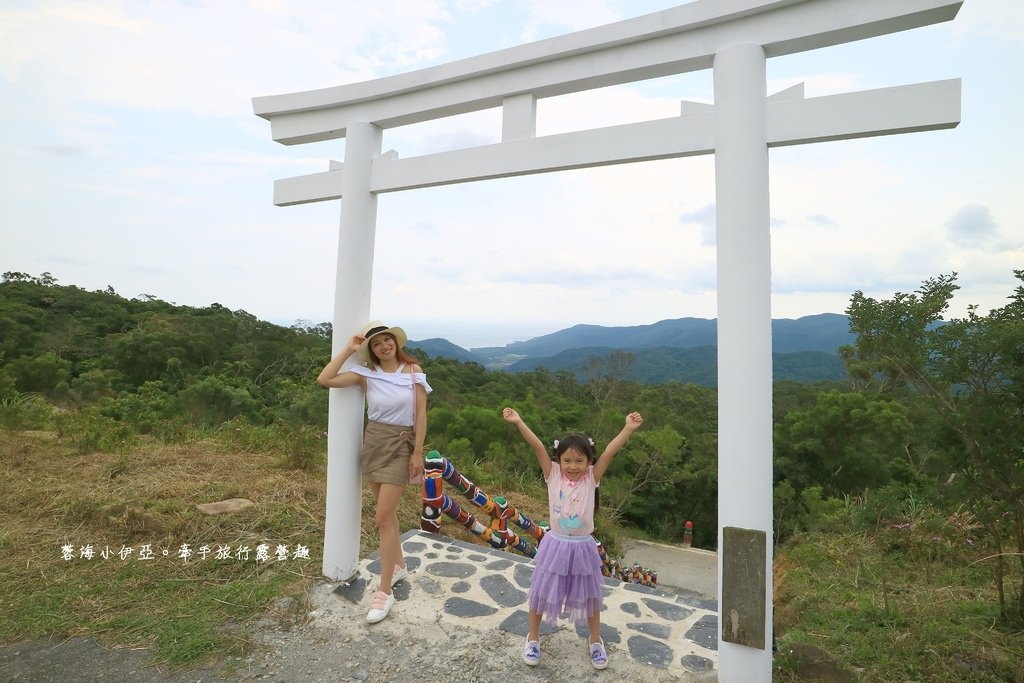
column 519, row 117
column 885, row 111
column 793, row 92
column 676, row 40
column 660, row 139
column 313, row 187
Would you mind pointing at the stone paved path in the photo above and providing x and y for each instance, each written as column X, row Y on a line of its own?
column 457, row 583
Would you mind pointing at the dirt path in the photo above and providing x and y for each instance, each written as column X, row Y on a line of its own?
column 83, row 659
column 332, row 642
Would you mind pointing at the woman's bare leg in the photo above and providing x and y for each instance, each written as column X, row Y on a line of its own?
column 386, row 517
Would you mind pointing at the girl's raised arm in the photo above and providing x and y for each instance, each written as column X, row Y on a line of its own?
column 633, row 422
column 543, row 459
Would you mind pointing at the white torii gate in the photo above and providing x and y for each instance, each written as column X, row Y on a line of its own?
column 734, row 37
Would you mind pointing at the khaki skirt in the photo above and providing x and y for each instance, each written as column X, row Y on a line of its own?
column 386, row 452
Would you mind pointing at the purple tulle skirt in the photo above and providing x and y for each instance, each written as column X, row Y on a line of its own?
column 567, row 579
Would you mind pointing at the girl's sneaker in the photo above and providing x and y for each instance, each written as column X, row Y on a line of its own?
column 531, row 653
column 598, row 657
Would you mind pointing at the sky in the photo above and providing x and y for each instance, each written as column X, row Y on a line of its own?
column 132, row 159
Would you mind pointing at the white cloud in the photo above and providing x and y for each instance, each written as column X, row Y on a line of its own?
column 821, row 220
column 972, row 226
column 990, row 20
column 212, row 58
column 706, row 219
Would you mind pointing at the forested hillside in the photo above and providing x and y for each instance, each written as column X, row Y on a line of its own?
column 823, row 332
column 696, row 365
column 925, row 434
column 682, row 350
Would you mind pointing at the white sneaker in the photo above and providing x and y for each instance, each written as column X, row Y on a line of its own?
column 531, row 653
column 598, row 656
column 400, row 573
column 380, row 607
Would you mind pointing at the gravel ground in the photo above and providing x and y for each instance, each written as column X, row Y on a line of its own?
column 328, row 639
column 334, row 643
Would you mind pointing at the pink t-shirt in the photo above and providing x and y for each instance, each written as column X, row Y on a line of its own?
column 571, row 504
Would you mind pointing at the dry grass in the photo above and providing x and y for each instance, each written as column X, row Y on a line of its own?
column 149, row 495
column 53, row 497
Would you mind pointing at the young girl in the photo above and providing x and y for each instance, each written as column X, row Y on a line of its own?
column 567, row 574
column 392, row 455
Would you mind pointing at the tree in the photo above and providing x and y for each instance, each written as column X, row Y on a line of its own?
column 605, row 375
column 480, row 426
column 844, row 443
column 41, row 374
column 971, row 371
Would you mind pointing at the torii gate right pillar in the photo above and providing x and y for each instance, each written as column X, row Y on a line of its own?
column 744, row 364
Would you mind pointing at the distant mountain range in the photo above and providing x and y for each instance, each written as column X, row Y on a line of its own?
column 683, row 349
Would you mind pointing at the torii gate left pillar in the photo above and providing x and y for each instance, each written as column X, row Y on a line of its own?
column 351, row 309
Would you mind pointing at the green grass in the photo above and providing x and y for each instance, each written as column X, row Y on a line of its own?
column 889, row 616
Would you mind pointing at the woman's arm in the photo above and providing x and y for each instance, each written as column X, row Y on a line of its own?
column 543, row 459
column 633, row 422
column 419, row 428
column 329, row 376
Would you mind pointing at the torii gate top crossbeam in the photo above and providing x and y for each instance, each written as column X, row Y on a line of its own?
column 672, row 41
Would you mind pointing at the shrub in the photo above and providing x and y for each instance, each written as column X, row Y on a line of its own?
column 24, row 411
column 88, row 430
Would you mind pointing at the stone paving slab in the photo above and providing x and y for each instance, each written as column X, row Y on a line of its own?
column 458, row 583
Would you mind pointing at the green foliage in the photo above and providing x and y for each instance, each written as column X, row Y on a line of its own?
column 43, row 373
column 302, row 446
column 7, row 388
column 697, row 365
column 787, row 519
column 24, row 411
column 148, row 409
column 213, row 363
column 844, row 443
column 807, row 510
column 479, row 426
column 91, row 385
column 656, row 483
column 213, row 400
column 968, row 372
column 89, row 430
column 292, row 401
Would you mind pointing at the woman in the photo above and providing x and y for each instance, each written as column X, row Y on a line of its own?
column 392, row 455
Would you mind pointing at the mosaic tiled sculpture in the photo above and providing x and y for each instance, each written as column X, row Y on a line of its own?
column 497, row 533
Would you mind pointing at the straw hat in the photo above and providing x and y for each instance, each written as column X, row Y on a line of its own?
column 374, row 328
